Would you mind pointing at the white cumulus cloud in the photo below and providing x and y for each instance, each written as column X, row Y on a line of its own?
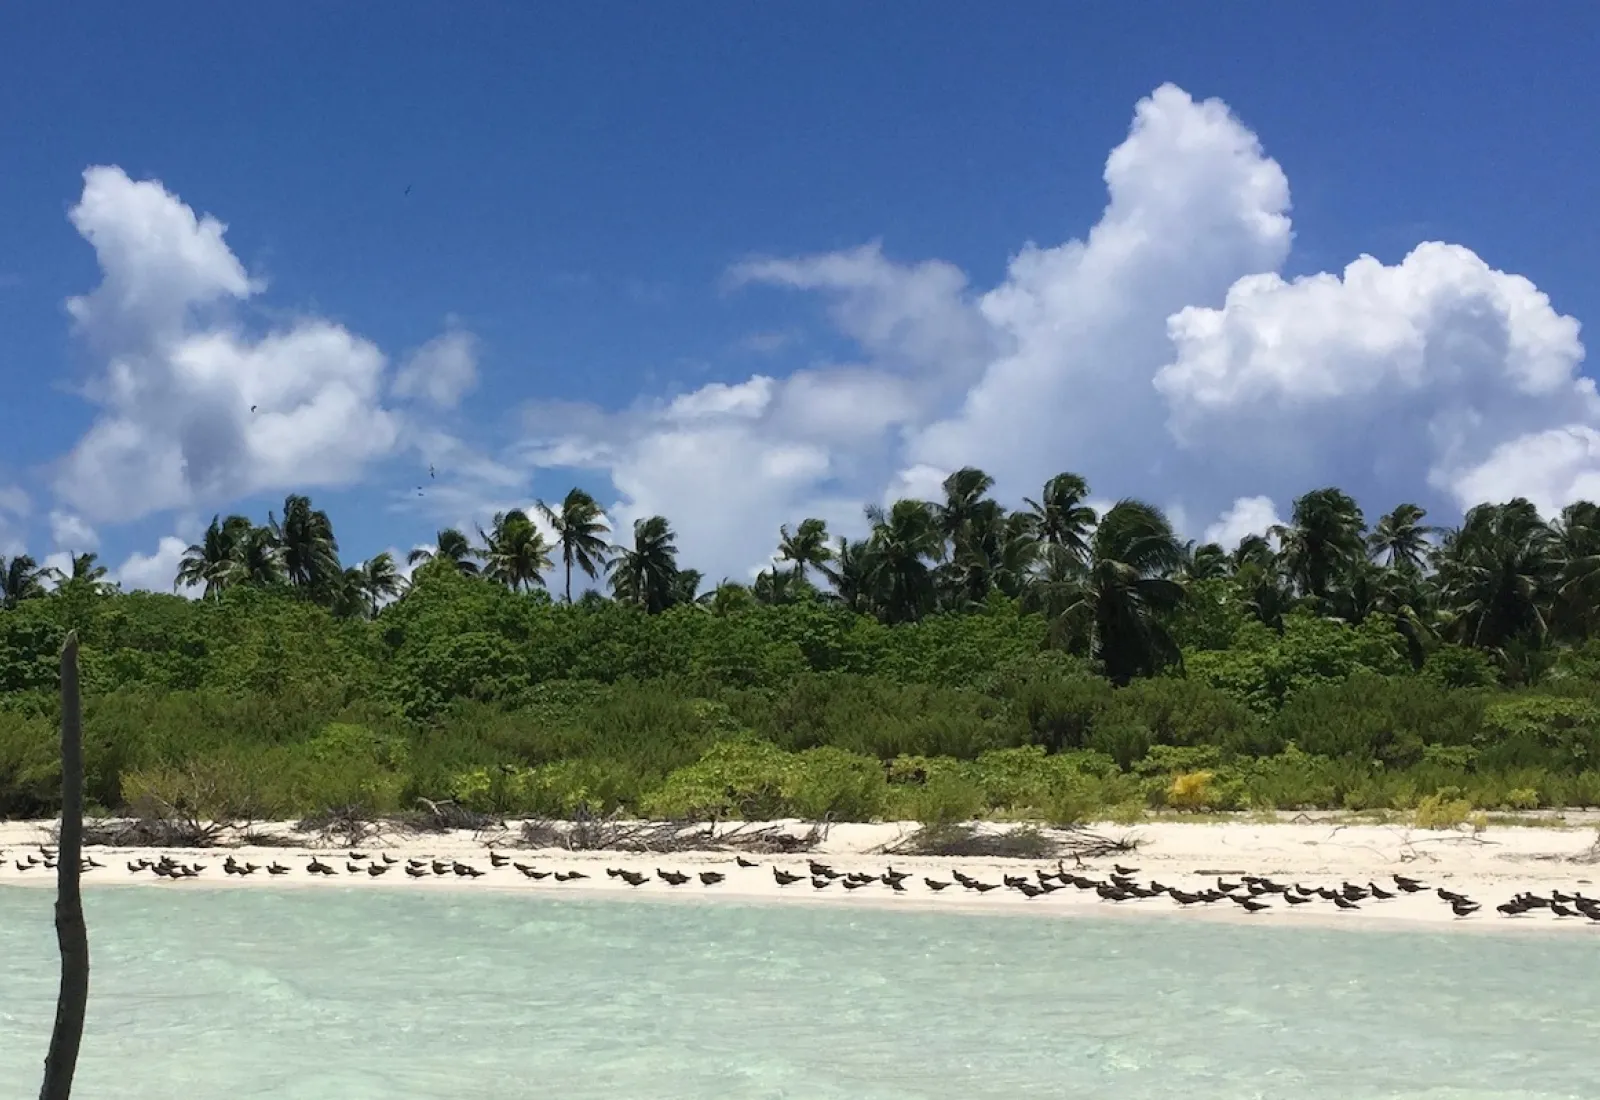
column 195, row 408
column 71, row 534
column 1244, row 517
column 442, row 371
column 155, row 572
column 1162, row 354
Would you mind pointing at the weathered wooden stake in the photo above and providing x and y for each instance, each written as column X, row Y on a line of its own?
column 71, row 934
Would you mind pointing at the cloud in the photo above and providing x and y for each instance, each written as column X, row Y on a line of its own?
column 14, row 508
column 916, row 316
column 155, row 572
column 1194, row 204
column 1551, row 468
column 195, row 410
column 1246, row 516
column 1161, row 355
column 70, row 533
column 767, row 343
column 1414, row 372
column 441, row 372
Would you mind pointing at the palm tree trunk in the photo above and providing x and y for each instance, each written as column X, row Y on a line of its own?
column 569, row 580
column 71, row 935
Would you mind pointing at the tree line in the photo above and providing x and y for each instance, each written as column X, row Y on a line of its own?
column 1325, row 662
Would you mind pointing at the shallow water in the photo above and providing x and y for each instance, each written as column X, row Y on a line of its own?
column 329, row 994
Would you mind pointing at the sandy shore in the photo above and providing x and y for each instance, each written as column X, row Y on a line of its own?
column 1490, row 868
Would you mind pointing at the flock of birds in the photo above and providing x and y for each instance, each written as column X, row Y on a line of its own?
column 1251, row 893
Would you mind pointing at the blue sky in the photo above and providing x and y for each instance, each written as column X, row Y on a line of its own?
column 740, row 265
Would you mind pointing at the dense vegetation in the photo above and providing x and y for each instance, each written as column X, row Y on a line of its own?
column 963, row 660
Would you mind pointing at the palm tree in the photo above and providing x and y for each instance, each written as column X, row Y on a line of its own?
column 515, row 552
column 964, row 494
column 259, row 559
column 452, row 546
column 1018, row 551
column 1114, row 605
column 904, row 540
column 1498, row 574
column 1205, row 562
column 1253, row 550
column 379, row 581
column 646, row 573
column 774, row 587
column 306, row 547
column 1577, row 536
column 1324, row 535
column 808, row 546
column 851, row 573
column 580, row 533
column 20, row 579
column 84, row 575
column 727, row 598
column 1062, row 517
column 686, row 589
column 213, row 562
column 1401, row 539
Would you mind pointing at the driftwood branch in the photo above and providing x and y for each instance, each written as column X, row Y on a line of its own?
column 586, row 833
column 71, row 934
column 1025, row 842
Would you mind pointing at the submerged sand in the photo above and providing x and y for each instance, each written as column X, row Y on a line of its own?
column 1490, row 867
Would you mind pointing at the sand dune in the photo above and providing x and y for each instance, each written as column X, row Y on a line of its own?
column 1490, row 868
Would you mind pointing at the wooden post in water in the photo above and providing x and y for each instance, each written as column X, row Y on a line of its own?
column 71, row 934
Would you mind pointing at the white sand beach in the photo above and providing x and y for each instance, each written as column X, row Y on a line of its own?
column 1489, row 867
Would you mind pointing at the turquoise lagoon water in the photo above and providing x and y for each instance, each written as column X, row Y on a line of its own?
column 323, row 994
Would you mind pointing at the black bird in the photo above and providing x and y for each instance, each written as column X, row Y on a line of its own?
column 1407, row 885
column 1561, row 910
column 742, row 862
column 854, row 884
column 414, row 872
column 1451, row 897
column 352, row 868
column 672, row 878
column 440, row 868
column 784, row 878
column 1027, row 889
column 387, row 858
column 572, row 876
column 358, row 855
column 934, row 885
column 1250, row 905
column 1512, row 908
column 1344, row 903
column 1121, row 870
column 277, row 869
column 821, row 883
column 1464, row 908
column 498, row 860
column 821, row 870
column 1377, row 893
column 537, row 876
column 633, row 878
column 711, row 878
column 891, row 876
column 1296, row 899
column 984, row 887
column 897, row 886
column 377, row 869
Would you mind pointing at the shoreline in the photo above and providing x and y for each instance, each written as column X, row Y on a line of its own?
column 1489, row 868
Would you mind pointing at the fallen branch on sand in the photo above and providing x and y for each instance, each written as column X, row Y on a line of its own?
column 614, row 833
column 1025, row 842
